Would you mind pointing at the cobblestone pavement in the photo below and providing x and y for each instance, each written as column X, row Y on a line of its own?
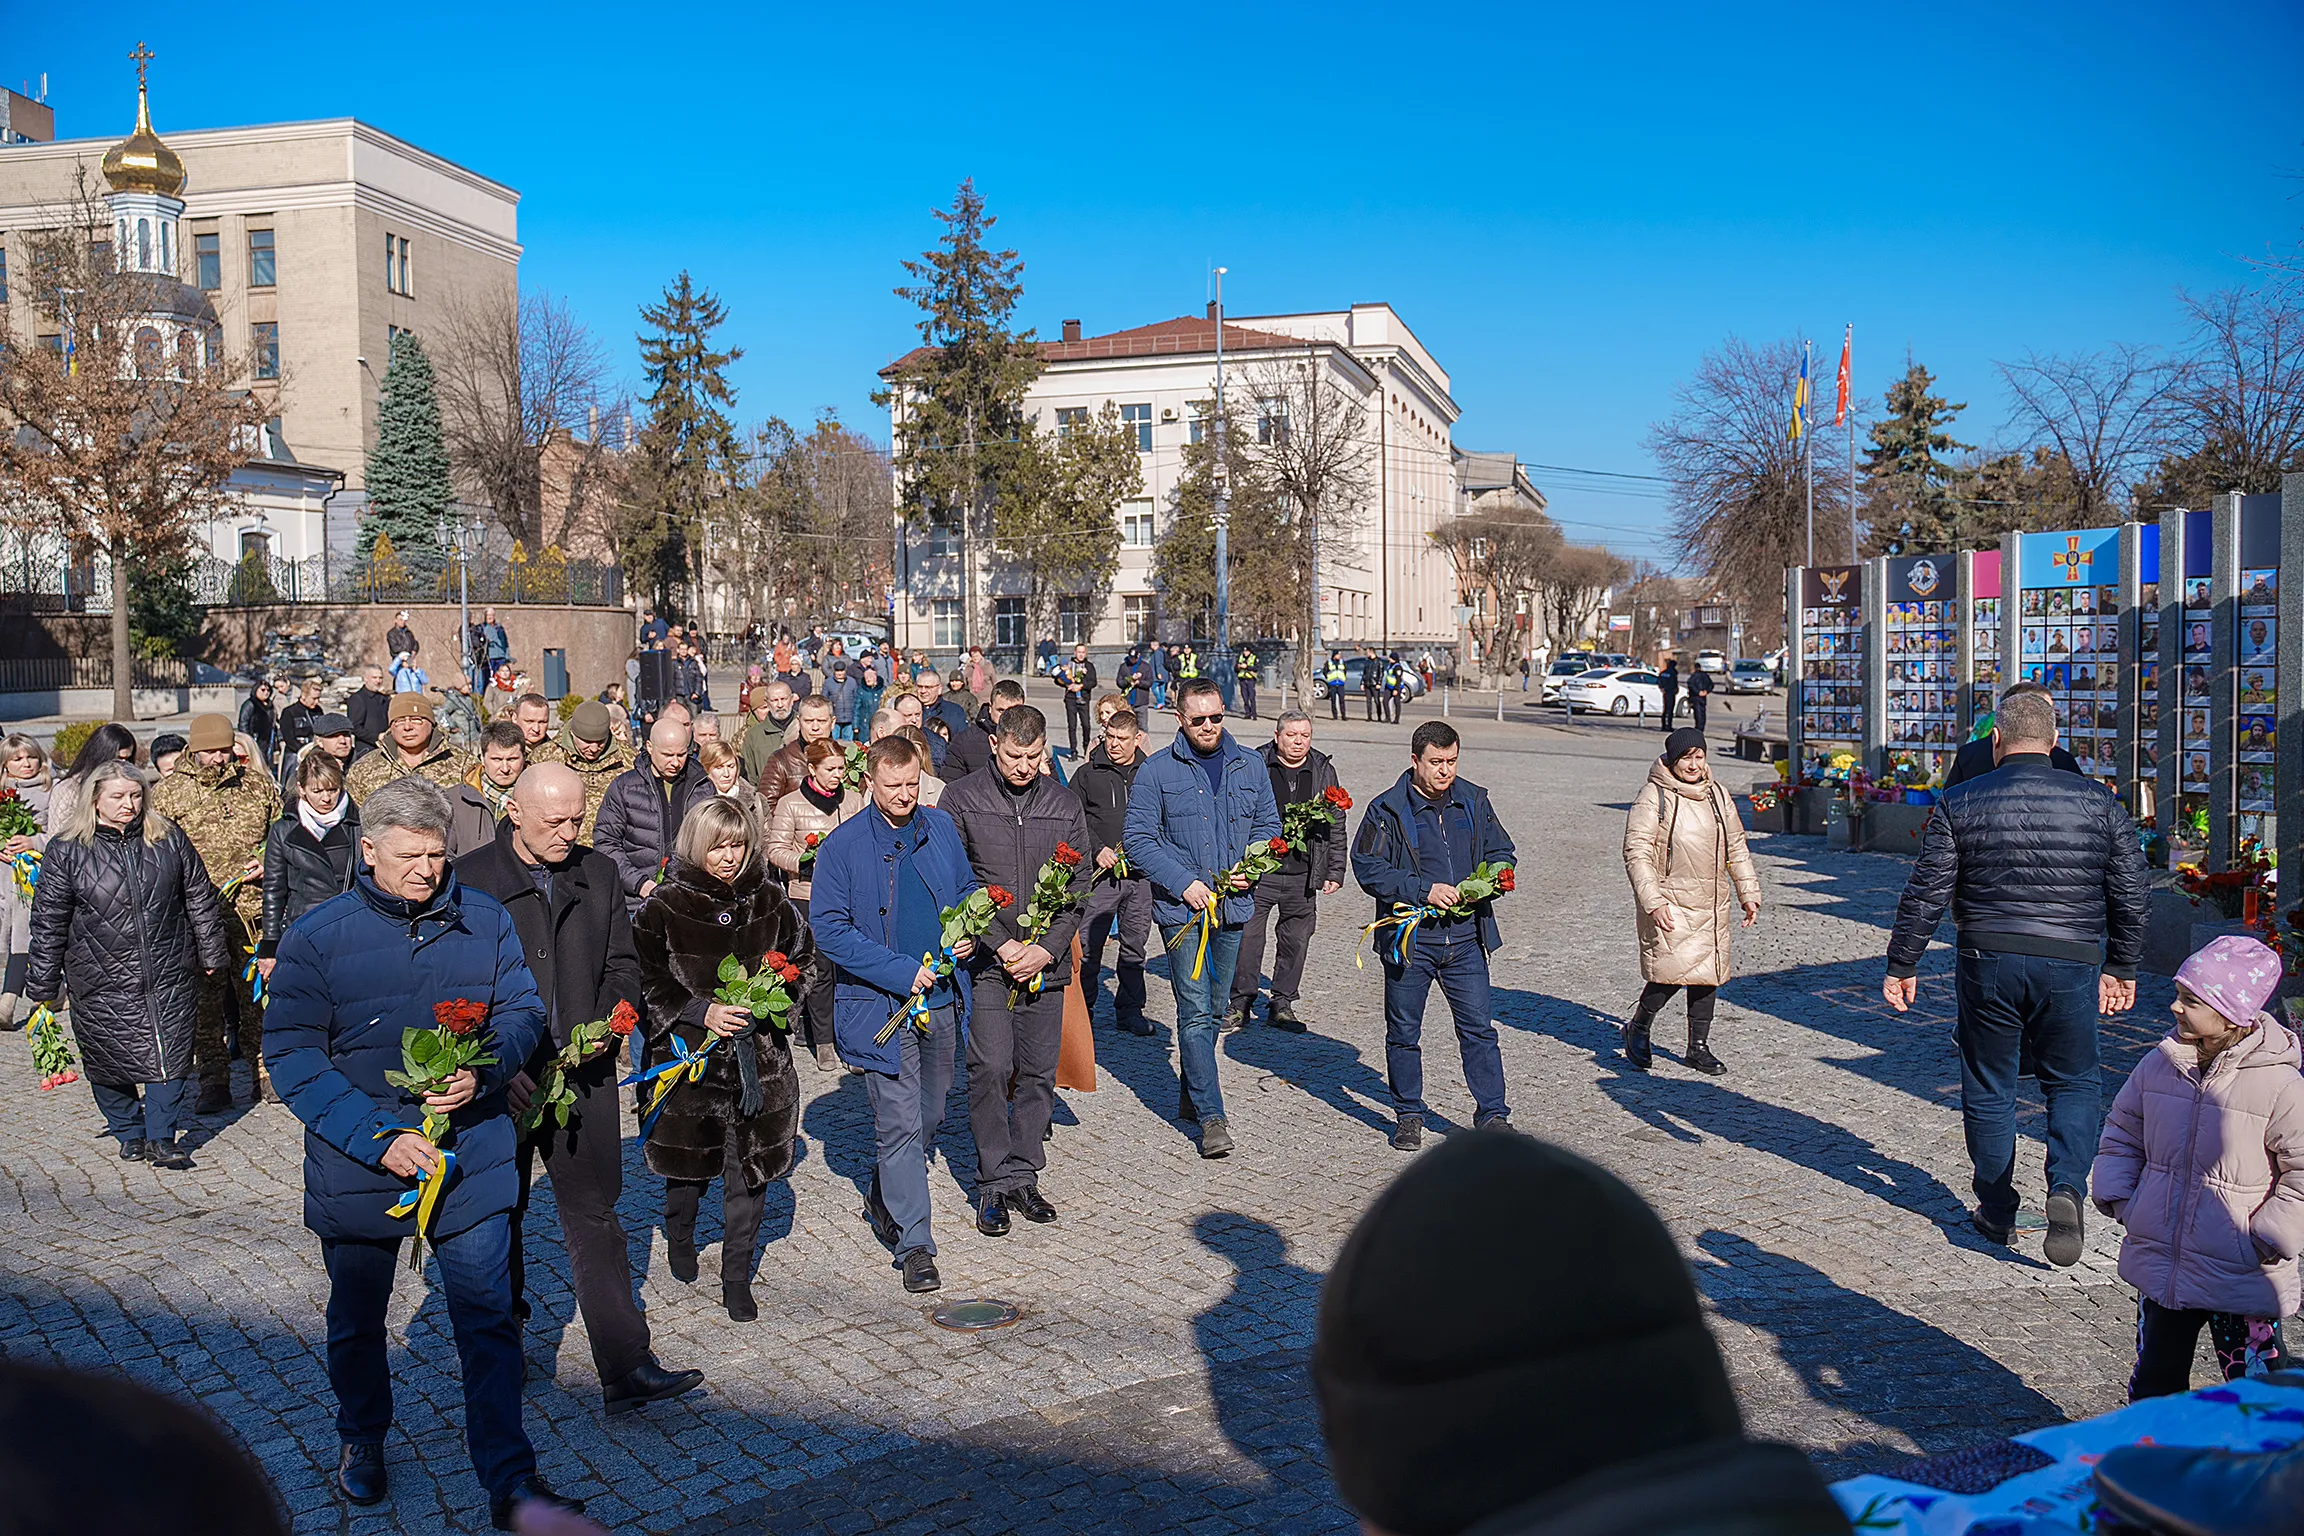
column 1156, row 1380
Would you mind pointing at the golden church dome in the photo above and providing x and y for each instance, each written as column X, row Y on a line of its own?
column 140, row 162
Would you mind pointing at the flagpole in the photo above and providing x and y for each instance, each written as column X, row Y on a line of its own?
column 1808, row 451
column 1847, row 349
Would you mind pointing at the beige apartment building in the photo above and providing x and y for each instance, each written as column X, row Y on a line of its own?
column 314, row 242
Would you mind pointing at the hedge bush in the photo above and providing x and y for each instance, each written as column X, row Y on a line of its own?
column 69, row 740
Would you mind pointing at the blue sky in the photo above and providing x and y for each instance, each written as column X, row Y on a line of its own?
column 1568, row 204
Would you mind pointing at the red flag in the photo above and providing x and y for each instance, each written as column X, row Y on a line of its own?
column 1840, row 410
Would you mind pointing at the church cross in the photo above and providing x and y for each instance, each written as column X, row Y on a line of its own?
column 142, row 58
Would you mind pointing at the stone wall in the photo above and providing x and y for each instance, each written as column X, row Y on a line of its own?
column 596, row 639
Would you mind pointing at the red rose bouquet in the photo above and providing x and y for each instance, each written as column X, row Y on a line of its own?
column 51, row 1052
column 970, row 919
column 1485, row 883
column 553, row 1096
column 1051, row 894
column 1259, row 860
column 431, row 1058
column 1307, row 819
column 17, row 820
column 852, row 774
column 767, row 994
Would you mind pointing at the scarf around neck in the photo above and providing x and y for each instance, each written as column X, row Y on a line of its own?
column 316, row 824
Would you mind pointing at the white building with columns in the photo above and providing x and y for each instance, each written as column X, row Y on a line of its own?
column 1389, row 587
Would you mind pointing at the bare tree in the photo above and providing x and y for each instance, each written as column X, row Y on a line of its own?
column 124, row 433
column 805, row 527
column 1311, row 450
column 1573, row 585
column 2107, row 413
column 1740, row 498
column 2239, row 405
column 1507, row 553
column 520, row 375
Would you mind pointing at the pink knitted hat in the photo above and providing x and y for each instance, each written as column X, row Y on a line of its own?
column 2234, row 976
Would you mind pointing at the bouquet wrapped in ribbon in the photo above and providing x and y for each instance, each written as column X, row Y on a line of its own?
column 231, row 888
column 1306, row 819
column 765, row 994
column 17, row 820
column 1051, row 894
column 1259, row 860
column 52, row 1054
column 971, row 919
column 1485, row 883
column 430, row 1059
column 553, row 1096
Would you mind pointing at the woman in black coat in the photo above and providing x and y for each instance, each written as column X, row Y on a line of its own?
column 125, row 920
column 310, row 853
column 737, row 1122
column 257, row 718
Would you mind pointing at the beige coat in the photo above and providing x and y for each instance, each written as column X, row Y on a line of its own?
column 794, row 818
column 1684, row 848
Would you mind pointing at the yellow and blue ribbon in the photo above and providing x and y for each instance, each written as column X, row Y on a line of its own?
column 1207, row 927
column 422, row 1201
column 915, row 1007
column 666, row 1076
column 1403, row 922
column 25, row 867
column 253, row 975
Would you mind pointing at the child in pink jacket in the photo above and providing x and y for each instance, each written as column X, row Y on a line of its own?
column 2202, row 1161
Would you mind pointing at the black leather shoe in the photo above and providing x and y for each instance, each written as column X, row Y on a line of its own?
column 1701, row 1059
column 360, row 1475
column 883, row 1225
column 680, row 1258
column 2202, row 1491
column 736, row 1296
column 1215, row 1137
column 1030, row 1204
column 2067, row 1226
column 1134, row 1024
column 648, row 1383
column 137, row 1151
column 1501, row 1121
column 168, row 1154
column 530, row 1490
column 1283, row 1016
column 1408, row 1133
column 992, row 1216
column 1990, row 1230
column 920, row 1272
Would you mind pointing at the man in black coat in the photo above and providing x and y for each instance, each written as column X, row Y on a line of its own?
column 1114, row 897
column 1699, row 689
column 1012, row 818
column 1669, row 681
column 565, row 901
column 1078, row 680
column 400, row 639
column 972, row 748
column 370, row 708
column 296, row 719
column 2046, row 880
column 640, row 815
column 1979, row 757
column 1305, row 875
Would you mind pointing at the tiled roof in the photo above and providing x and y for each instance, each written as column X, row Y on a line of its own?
column 1184, row 335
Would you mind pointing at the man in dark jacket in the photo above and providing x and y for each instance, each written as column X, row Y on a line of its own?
column 1306, row 874
column 565, row 902
column 882, row 879
column 400, row 639
column 1193, row 811
column 2046, row 882
column 475, row 810
column 787, row 766
column 1979, row 757
column 972, row 748
column 1669, row 683
column 353, row 976
column 1418, row 840
column 296, row 719
column 1012, row 819
column 1118, row 893
column 369, row 709
column 641, row 814
column 1699, row 689
column 1077, row 678
column 955, row 706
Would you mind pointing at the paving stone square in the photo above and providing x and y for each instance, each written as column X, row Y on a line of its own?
column 1156, row 1381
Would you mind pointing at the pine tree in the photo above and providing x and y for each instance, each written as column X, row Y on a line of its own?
column 688, row 448
column 961, row 428
column 1910, row 499
column 407, row 474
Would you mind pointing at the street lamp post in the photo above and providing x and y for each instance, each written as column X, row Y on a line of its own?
column 1221, row 660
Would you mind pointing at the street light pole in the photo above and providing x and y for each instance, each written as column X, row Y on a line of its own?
column 1221, row 661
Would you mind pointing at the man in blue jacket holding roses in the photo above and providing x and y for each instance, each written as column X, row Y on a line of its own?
column 354, row 975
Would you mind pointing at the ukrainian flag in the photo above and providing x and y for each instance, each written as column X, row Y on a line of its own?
column 1800, row 402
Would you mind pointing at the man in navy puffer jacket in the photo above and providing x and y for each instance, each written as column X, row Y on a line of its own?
column 351, row 977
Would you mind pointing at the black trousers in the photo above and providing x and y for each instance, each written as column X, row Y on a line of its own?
column 1375, row 705
column 1248, row 697
column 1079, row 725
column 585, row 1159
column 741, row 1210
column 1126, row 904
column 1697, row 705
column 1671, row 706
column 816, row 1000
column 2166, row 1337
column 1012, row 1050
column 1335, row 702
column 1656, row 994
column 1299, row 911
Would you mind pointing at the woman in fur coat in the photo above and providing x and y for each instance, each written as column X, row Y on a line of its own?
column 737, row 1122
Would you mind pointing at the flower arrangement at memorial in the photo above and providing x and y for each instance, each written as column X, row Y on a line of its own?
column 970, row 919
column 554, row 1096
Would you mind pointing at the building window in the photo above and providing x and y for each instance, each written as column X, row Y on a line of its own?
column 1068, row 417
column 1008, row 622
column 208, row 260
column 267, row 339
column 53, row 341
column 1139, row 417
column 1074, row 622
column 396, row 265
column 1136, row 523
column 1136, row 618
column 944, row 622
column 100, row 254
column 1201, row 411
column 263, row 267
column 943, row 536
column 1272, row 421
column 148, row 353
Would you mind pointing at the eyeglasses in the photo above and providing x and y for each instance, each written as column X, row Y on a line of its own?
column 1214, row 719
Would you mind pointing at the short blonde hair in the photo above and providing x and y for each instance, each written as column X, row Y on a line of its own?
column 711, row 823
column 716, row 752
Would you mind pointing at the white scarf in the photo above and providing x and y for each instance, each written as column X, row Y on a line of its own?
column 315, row 823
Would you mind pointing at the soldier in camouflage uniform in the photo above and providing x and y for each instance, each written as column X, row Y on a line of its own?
column 225, row 807
column 412, row 744
column 584, row 745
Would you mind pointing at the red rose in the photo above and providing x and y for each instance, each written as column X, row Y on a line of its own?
column 1278, row 845
column 1336, row 797
column 814, row 838
column 460, row 1015
column 774, row 960
column 1504, row 878
column 1000, row 896
column 1065, row 855
column 791, row 975
column 623, row 1019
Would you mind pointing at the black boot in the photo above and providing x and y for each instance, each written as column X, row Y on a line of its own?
column 1637, row 1055
column 1700, row 1055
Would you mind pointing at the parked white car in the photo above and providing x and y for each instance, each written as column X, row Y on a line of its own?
column 1615, row 690
column 1714, row 662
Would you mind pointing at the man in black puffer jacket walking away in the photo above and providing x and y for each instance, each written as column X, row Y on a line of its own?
column 2046, row 881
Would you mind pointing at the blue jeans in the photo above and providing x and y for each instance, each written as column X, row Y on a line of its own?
column 1456, row 961
column 907, row 1111
column 475, row 1270
column 2006, row 1002
column 154, row 1119
column 1199, row 1003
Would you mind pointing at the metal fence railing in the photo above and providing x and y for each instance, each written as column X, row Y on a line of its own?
column 43, row 674
column 56, row 585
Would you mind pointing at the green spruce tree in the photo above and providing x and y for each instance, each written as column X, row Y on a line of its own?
column 407, row 474
column 1911, row 500
column 688, row 449
column 961, row 432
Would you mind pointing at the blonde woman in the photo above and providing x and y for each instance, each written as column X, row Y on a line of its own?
column 813, row 810
column 724, row 766
column 126, row 920
column 736, row 1123
column 1684, row 850
column 24, row 770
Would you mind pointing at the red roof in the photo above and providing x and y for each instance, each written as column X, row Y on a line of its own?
column 1185, row 335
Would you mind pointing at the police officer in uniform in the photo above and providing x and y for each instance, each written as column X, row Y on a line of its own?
column 1244, row 673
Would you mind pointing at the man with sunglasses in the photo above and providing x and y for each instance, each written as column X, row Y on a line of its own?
column 1194, row 809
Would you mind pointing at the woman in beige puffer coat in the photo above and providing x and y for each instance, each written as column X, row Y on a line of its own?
column 814, row 809
column 1684, row 849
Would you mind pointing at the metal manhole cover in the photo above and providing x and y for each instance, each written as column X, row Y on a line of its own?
column 974, row 1315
